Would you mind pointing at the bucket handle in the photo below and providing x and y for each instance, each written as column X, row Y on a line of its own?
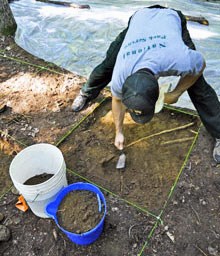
column 99, row 203
column 34, row 198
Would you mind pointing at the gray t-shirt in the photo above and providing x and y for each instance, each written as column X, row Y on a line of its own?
column 154, row 41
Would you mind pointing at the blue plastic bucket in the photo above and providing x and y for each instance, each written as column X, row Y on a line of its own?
column 93, row 234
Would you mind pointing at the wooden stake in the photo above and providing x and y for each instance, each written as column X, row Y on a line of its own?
column 160, row 133
column 177, row 141
column 200, row 20
column 67, row 4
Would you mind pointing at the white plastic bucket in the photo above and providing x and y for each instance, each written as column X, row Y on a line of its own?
column 36, row 160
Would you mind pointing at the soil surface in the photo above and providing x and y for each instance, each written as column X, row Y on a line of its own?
column 152, row 164
column 38, row 179
column 165, row 202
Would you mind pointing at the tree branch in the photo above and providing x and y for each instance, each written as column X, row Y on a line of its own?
column 200, row 20
column 67, row 4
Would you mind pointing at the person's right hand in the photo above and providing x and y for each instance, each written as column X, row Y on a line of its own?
column 119, row 140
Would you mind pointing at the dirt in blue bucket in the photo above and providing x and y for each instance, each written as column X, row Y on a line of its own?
column 79, row 211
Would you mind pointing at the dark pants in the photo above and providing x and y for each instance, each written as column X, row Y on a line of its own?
column 102, row 74
column 201, row 93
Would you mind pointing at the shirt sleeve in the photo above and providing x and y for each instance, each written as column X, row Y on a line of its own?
column 117, row 83
column 196, row 62
column 115, row 91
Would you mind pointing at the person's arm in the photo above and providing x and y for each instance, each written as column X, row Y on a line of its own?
column 184, row 83
column 118, row 112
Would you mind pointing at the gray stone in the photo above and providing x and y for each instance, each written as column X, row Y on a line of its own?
column 5, row 233
column 213, row 251
column 16, row 220
column 1, row 216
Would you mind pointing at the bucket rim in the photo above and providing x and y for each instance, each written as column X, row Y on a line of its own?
column 62, row 193
column 23, row 151
column 38, row 187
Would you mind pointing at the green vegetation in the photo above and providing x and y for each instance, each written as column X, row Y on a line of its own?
column 10, row 30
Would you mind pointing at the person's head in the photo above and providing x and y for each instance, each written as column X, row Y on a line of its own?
column 140, row 92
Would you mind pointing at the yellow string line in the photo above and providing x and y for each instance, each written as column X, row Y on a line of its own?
column 28, row 63
column 4, row 193
column 69, row 132
column 181, row 110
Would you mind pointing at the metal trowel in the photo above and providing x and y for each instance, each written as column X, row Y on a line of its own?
column 121, row 161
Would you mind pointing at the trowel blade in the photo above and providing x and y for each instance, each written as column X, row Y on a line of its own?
column 121, row 161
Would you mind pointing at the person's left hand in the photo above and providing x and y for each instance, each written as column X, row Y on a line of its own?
column 170, row 98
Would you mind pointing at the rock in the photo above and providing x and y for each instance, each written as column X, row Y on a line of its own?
column 175, row 202
column 213, row 251
column 202, row 201
column 135, row 246
column 5, row 233
column 166, row 228
column 171, row 236
column 183, row 199
column 15, row 242
column 8, row 222
column 1, row 216
column 16, row 220
column 115, row 209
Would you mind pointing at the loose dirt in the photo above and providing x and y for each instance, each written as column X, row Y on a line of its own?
column 38, row 179
column 79, row 212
